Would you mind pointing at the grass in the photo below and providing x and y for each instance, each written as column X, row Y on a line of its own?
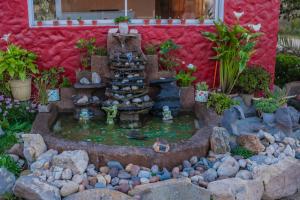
column 241, row 151
column 7, row 162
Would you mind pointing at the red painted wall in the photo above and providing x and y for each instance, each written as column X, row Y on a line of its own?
column 55, row 45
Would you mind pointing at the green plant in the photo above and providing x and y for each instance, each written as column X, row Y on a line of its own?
column 79, row 18
column 220, row 102
column 100, row 51
column 7, row 141
column 87, row 48
column 234, row 46
column 69, row 18
column 185, row 77
column 18, row 63
column 42, row 85
column 157, row 17
column 7, row 162
column 269, row 105
column 4, row 86
column 290, row 9
column 202, row 86
column 151, row 49
column 168, row 58
column 121, row 19
column 287, row 69
column 253, row 79
column 279, row 95
column 242, row 151
column 66, row 83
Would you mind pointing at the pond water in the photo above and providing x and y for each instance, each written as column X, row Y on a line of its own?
column 182, row 128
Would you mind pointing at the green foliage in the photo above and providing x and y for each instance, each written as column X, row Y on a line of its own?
column 290, row 9
column 242, row 151
column 202, row 86
column 289, row 44
column 287, row 69
column 100, row 51
column 151, row 49
column 253, row 79
column 279, row 95
column 7, row 162
column 79, row 18
column 185, row 79
column 4, row 86
column 17, row 63
column 66, row 83
column 167, row 52
column 10, row 196
column 121, row 19
column 7, row 141
column 220, row 102
column 234, row 46
column 267, row 105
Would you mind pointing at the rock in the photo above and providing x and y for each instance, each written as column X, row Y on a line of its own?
column 154, row 169
column 96, row 79
column 171, row 189
column 104, row 170
column 186, row 164
column 175, row 172
column 258, row 159
column 124, row 188
column 210, row 175
column 57, row 172
column 69, row 188
column 128, row 167
column 135, row 169
column 289, row 151
column 236, row 189
column 59, row 183
column 287, row 118
column 100, row 186
column 84, row 81
column 101, row 179
column 43, row 161
column 280, row 180
column 230, row 116
column 32, row 188
column 289, row 141
column 270, row 150
column 297, row 155
column 144, row 180
column 115, row 164
column 115, row 181
column 229, row 167
column 244, row 174
column 144, row 174
column 268, row 137
column 78, row 178
column 77, row 161
column 124, row 175
column 14, row 157
column 251, row 142
column 66, row 174
column 165, row 175
column 154, row 179
column 246, row 126
column 219, row 140
column 103, row 194
column 193, row 160
column 113, row 172
column 242, row 163
column 83, row 100
column 17, row 149
column 34, row 146
column 108, row 179
column 7, row 181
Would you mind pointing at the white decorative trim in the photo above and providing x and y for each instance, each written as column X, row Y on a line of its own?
column 30, row 13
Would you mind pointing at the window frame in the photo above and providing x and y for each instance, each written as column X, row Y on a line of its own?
column 219, row 15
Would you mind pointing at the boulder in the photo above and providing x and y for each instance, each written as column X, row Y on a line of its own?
column 179, row 189
column 32, row 188
column 251, row 142
column 244, row 174
column 77, row 161
column 229, row 167
column 280, row 180
column 43, row 160
column 236, row 189
column 103, row 194
column 34, row 146
column 287, row 118
column 7, row 181
column 69, row 188
column 219, row 140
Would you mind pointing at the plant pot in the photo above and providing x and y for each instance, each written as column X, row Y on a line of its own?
column 170, row 21
column 152, row 68
column 81, row 22
column 247, row 98
column 166, row 74
column 268, row 118
column 21, row 90
column 146, row 21
column 69, row 22
column 201, row 96
column 67, row 93
column 123, row 28
column 187, row 97
column 99, row 64
column 182, row 21
column 44, row 108
column 40, row 23
column 55, row 23
column 94, row 22
column 53, row 95
column 158, row 21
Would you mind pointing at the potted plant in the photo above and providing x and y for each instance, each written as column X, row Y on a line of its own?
column 267, row 108
column 170, row 21
column 18, row 64
column 40, row 22
column 167, row 59
column 94, row 22
column 146, row 21
column 87, row 49
column 123, row 21
column 253, row 79
column 152, row 62
column 80, row 21
column 69, row 21
column 99, row 62
column 66, row 89
column 41, row 83
column 220, row 102
column 234, row 46
column 56, row 22
column 158, row 20
column 54, row 76
column 201, row 92
column 182, row 21
column 185, row 81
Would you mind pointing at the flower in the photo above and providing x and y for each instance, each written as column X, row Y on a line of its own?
column 5, row 37
column 191, row 66
column 238, row 15
column 1, row 97
column 256, row 27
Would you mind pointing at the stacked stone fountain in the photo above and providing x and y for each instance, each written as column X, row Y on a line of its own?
column 128, row 87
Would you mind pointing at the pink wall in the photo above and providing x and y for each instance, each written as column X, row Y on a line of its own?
column 55, row 45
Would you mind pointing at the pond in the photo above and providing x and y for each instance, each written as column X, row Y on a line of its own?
column 182, row 128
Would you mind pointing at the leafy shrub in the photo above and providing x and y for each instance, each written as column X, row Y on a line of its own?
column 242, row 151
column 7, row 162
column 287, row 69
column 168, row 59
column 253, row 79
column 202, row 86
column 65, row 83
column 267, row 105
column 7, row 141
column 220, row 102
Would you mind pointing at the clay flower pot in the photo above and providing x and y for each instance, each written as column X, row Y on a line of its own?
column 170, row 21
column 55, row 23
column 187, row 97
column 21, row 90
column 182, row 21
column 94, row 22
column 81, row 22
column 40, row 23
column 158, row 21
column 69, row 22
column 146, row 21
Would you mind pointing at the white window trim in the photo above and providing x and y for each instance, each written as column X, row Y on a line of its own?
column 219, row 15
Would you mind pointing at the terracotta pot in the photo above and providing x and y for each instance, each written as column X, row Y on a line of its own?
column 247, row 98
column 166, row 74
column 21, row 90
column 170, row 21
column 187, row 97
column 152, row 68
column 44, row 108
column 158, row 21
column 55, row 23
column 146, row 21
column 99, row 64
column 94, row 22
column 182, row 21
column 69, row 22
column 40, row 23
column 81, row 22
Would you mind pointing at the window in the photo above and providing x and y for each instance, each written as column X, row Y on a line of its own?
column 137, row 10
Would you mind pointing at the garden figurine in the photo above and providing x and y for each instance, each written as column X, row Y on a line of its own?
column 111, row 112
column 167, row 114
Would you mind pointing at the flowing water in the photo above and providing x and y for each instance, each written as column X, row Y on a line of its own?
column 182, row 128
